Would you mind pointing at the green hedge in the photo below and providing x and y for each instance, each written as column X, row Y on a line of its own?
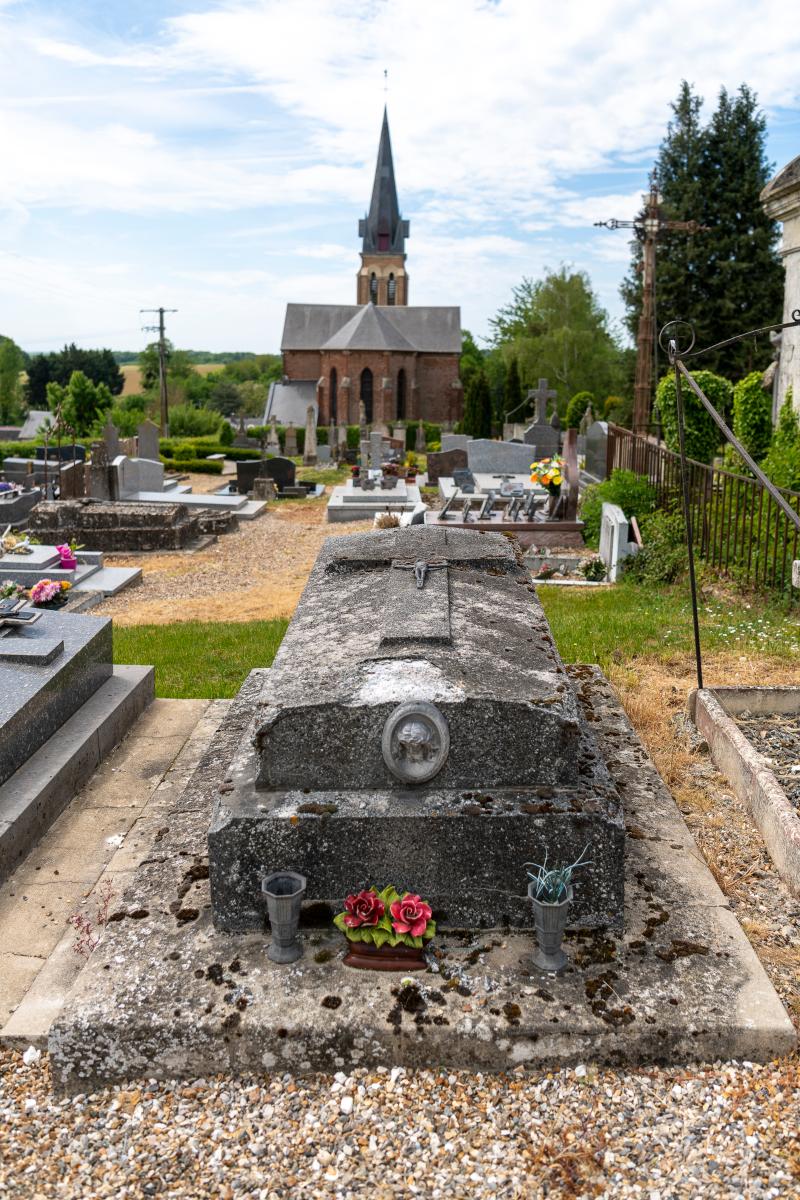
column 19, row 449
column 203, row 466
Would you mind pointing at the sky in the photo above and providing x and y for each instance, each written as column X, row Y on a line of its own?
column 215, row 157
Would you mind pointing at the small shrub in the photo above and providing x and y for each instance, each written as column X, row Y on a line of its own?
column 226, row 434
column 186, row 421
column 593, row 569
column 752, row 415
column 184, row 451
column 787, row 430
column 576, row 409
column 702, row 435
column 663, row 556
column 635, row 495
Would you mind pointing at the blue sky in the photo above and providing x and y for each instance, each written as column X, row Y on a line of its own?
column 215, row 157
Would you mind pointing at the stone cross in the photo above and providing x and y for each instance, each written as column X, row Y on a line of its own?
column 541, row 396
column 310, row 443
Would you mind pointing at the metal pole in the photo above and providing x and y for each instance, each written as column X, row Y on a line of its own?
column 162, row 375
column 687, row 514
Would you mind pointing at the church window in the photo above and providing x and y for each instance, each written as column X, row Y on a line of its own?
column 401, row 395
column 373, row 288
column 334, row 397
column 366, row 393
column 390, row 290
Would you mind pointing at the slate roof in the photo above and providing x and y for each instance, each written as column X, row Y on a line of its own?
column 422, row 328
column 289, row 401
column 383, row 229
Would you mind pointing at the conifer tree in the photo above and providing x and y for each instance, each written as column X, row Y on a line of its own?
column 730, row 278
column 478, row 407
column 513, row 390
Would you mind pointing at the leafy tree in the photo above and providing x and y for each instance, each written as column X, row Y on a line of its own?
column 478, row 407
column 11, row 363
column 752, row 415
column 471, row 360
column 576, row 409
column 252, row 397
column 225, row 397
column 82, row 402
column 702, row 436
column 98, row 366
column 729, row 279
column 555, row 327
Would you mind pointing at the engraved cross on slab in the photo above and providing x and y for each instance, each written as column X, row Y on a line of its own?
column 420, row 613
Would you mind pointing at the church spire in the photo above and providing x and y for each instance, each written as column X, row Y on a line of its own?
column 383, row 230
column 382, row 277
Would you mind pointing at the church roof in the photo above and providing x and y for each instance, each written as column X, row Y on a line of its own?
column 369, row 329
column 383, row 229
column 289, row 401
column 421, row 328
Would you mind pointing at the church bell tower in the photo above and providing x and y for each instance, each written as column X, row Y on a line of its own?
column 382, row 277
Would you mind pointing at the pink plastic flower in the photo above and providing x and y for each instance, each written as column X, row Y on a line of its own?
column 65, row 550
column 410, row 915
column 363, row 908
column 44, row 591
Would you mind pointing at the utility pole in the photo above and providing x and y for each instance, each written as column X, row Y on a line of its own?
column 648, row 227
column 162, row 362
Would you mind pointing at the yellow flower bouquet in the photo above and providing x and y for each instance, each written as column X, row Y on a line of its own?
column 549, row 472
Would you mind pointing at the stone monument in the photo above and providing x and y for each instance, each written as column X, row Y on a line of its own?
column 422, row 655
column 781, row 201
column 310, row 442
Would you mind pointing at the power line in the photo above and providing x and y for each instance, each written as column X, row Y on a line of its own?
column 162, row 362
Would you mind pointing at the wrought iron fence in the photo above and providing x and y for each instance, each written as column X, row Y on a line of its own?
column 737, row 526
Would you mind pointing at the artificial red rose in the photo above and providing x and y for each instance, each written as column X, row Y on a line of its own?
column 410, row 915
column 363, row 908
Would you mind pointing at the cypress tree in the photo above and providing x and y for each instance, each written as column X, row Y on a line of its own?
column 478, row 407
column 730, row 278
column 513, row 396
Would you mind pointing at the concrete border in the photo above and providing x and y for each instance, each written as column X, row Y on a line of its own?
column 40, row 790
column 747, row 771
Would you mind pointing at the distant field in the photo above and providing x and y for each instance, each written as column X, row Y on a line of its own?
column 133, row 375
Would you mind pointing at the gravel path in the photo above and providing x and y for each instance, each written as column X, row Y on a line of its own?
column 723, row 1131
column 778, row 739
column 256, row 573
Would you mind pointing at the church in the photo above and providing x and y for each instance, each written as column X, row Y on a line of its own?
column 380, row 360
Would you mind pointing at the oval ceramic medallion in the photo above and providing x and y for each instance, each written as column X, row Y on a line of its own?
column 415, row 742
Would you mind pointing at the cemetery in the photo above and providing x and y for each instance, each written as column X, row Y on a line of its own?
column 400, row 733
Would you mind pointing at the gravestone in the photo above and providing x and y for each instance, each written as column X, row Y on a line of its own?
column 273, row 441
column 310, row 441
column 72, row 481
column 423, row 656
column 128, row 446
column 571, row 482
column 464, row 480
column 342, row 441
column 324, row 456
column 111, row 439
column 290, row 441
column 115, row 525
column 455, row 441
column 486, row 457
column 99, row 484
column 282, row 470
column 148, row 435
column 64, row 453
column 615, row 541
column 247, row 472
column 420, row 445
column 513, row 432
column 376, row 450
column 332, row 446
column 543, row 439
column 597, row 450
column 444, row 463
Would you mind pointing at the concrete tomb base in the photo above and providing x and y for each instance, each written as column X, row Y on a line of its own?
column 168, row 996
column 116, row 525
column 348, row 503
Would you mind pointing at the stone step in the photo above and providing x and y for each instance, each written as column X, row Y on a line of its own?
column 32, row 798
column 109, row 580
column 190, row 500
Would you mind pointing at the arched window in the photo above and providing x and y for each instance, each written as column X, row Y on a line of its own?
column 401, row 395
column 366, row 393
column 334, row 398
column 373, row 288
column 390, row 290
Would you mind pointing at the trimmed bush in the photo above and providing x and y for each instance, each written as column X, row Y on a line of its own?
column 186, row 421
column 702, row 435
column 202, row 466
column 19, row 449
column 433, row 433
column 635, row 495
column 577, row 408
column 752, row 415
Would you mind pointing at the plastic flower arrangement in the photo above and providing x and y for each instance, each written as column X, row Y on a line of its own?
column 49, row 592
column 549, row 472
column 11, row 591
column 386, row 918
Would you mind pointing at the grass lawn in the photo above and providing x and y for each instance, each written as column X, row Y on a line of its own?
column 609, row 626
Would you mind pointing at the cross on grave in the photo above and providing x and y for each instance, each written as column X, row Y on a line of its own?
column 409, row 615
column 419, row 566
column 541, row 396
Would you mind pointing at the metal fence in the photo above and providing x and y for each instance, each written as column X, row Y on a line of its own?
column 738, row 527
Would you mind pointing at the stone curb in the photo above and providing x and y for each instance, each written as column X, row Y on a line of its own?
column 748, row 772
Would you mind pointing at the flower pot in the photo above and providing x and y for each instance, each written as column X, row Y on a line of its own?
column 284, row 891
column 368, row 957
column 69, row 562
column 550, row 921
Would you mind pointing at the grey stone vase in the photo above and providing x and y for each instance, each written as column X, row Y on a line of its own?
column 284, row 891
column 550, row 921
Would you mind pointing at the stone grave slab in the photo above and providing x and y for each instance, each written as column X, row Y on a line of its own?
column 282, row 470
column 347, row 503
column 686, row 988
column 247, row 472
column 36, row 700
column 615, row 545
column 40, row 558
column 445, row 462
column 455, row 441
column 116, row 525
column 15, row 506
column 543, row 438
column 597, row 450
column 148, row 438
column 324, row 455
column 505, row 743
column 492, row 458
